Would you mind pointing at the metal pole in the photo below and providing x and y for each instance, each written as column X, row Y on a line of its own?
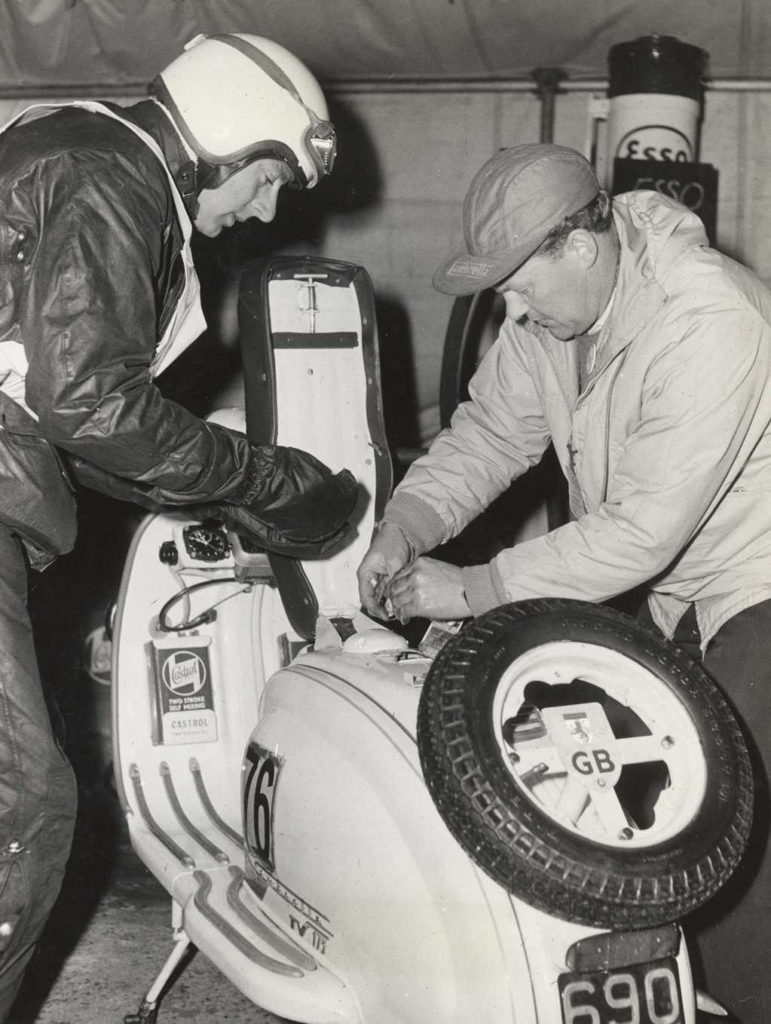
column 547, row 82
column 362, row 85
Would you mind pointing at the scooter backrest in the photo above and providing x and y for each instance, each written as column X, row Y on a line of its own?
column 312, row 380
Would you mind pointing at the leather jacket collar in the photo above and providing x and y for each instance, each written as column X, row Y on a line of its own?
column 151, row 117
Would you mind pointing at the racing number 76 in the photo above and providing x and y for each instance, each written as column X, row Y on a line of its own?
column 260, row 775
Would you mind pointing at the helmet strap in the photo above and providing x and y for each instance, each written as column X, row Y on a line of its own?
column 186, row 180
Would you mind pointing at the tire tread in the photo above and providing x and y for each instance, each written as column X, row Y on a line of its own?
column 512, row 841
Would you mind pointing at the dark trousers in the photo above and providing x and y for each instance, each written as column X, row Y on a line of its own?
column 37, row 786
column 730, row 938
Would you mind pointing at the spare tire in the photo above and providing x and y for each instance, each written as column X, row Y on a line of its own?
column 588, row 766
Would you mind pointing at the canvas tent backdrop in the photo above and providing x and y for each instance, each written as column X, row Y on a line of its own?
column 423, row 91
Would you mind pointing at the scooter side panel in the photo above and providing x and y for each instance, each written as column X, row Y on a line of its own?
column 364, row 871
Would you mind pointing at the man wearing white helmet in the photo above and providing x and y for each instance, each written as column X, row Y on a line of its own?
column 98, row 295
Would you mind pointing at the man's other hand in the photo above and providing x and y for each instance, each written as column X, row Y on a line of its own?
column 389, row 552
column 429, row 589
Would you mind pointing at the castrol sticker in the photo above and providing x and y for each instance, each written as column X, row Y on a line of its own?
column 184, row 673
column 184, row 694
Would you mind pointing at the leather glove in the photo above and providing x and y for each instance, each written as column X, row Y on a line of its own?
column 290, row 502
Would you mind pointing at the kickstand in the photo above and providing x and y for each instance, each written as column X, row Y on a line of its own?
column 148, row 1011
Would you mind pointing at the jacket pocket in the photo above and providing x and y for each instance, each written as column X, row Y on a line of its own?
column 36, row 498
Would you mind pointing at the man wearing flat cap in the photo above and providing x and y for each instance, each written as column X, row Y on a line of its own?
column 644, row 356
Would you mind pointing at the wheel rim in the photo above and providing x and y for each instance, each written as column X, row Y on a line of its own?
column 600, row 744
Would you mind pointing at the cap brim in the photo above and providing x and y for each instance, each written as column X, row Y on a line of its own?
column 464, row 274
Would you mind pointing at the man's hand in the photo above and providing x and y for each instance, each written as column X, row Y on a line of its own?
column 430, row 589
column 388, row 553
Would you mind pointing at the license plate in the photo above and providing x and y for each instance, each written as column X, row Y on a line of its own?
column 647, row 993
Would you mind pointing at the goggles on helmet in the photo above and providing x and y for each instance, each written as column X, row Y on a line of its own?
column 321, row 143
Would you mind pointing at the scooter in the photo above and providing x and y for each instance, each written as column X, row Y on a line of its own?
column 503, row 824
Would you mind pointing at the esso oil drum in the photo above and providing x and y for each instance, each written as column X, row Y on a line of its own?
column 655, row 97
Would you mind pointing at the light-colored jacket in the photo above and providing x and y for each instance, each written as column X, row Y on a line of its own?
column 670, row 442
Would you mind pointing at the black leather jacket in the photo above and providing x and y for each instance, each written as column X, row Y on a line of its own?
column 90, row 270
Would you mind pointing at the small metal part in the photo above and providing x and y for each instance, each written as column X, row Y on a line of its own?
column 168, row 553
column 534, row 773
column 308, row 301
column 610, row 950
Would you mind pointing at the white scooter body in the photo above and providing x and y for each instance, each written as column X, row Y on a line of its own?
column 271, row 781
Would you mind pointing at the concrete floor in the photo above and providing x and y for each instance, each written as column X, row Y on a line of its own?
column 109, row 935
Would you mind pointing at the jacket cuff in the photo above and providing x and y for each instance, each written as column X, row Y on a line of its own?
column 422, row 526
column 483, row 588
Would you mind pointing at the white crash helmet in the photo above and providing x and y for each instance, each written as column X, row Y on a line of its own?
column 237, row 98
